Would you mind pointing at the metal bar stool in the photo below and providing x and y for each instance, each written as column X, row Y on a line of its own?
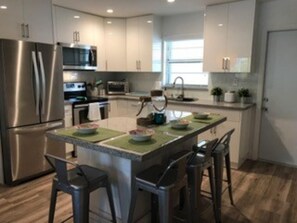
column 219, row 153
column 164, row 182
column 195, row 167
column 79, row 182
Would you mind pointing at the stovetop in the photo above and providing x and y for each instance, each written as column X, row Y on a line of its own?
column 85, row 100
column 76, row 93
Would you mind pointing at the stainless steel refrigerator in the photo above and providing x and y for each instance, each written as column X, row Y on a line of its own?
column 31, row 103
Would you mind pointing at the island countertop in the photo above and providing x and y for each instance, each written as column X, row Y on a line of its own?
column 124, row 124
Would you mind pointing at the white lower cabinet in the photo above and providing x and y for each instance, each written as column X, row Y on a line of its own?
column 68, row 123
column 112, row 109
column 240, row 120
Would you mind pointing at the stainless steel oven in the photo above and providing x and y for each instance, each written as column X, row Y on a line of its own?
column 80, row 112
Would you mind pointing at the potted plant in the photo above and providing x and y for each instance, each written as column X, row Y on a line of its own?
column 216, row 92
column 244, row 95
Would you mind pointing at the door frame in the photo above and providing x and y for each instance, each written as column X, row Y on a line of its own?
column 261, row 68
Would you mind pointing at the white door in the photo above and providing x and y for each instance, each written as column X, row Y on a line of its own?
column 278, row 139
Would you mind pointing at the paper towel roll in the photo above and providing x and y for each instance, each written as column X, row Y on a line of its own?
column 158, row 85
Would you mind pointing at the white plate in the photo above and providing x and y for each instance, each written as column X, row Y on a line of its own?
column 179, row 124
column 199, row 115
column 141, row 135
column 87, row 128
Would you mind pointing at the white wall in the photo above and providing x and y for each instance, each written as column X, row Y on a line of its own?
column 273, row 15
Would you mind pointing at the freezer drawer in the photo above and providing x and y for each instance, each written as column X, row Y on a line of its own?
column 27, row 148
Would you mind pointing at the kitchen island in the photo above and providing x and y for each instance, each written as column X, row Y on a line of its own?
column 122, row 158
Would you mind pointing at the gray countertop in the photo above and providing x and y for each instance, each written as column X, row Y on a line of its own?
column 202, row 103
column 125, row 124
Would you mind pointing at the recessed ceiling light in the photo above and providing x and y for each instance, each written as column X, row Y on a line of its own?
column 149, row 21
column 170, row 1
column 109, row 22
column 76, row 16
column 3, row 7
column 220, row 25
column 109, row 10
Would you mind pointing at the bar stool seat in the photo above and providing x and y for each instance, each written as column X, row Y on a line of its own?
column 164, row 182
column 79, row 182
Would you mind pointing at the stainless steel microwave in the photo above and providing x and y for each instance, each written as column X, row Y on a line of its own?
column 117, row 87
column 79, row 57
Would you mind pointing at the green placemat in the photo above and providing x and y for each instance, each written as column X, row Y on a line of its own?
column 100, row 135
column 127, row 143
column 209, row 120
column 193, row 126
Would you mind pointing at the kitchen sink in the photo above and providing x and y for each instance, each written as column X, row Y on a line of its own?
column 182, row 99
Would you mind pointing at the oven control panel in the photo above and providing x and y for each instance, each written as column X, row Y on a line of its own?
column 74, row 86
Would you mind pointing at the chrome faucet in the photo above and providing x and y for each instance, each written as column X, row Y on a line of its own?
column 182, row 87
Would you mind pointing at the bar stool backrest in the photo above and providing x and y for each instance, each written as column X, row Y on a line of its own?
column 176, row 168
column 60, row 166
column 225, row 140
column 207, row 147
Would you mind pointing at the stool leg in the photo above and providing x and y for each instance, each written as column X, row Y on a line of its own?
column 53, row 202
column 228, row 170
column 111, row 204
column 132, row 202
column 80, row 202
column 165, row 206
column 213, row 193
column 218, row 170
column 187, row 201
column 154, row 208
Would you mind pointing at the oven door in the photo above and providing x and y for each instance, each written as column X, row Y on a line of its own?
column 80, row 113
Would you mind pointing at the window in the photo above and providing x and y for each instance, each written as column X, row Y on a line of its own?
column 185, row 58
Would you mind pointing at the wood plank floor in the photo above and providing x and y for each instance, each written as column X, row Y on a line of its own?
column 262, row 193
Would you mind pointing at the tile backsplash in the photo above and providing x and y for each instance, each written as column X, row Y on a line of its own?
column 144, row 82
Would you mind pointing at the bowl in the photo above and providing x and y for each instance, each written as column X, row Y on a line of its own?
column 179, row 123
column 141, row 135
column 87, row 128
column 200, row 115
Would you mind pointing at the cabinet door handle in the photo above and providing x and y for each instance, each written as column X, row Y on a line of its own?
column 106, row 65
column 227, row 63
column 139, row 65
column 136, row 64
column 28, row 31
column 78, row 36
column 74, row 36
column 23, row 30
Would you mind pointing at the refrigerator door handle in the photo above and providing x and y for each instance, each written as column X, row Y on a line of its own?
column 37, row 85
column 42, row 128
column 43, row 85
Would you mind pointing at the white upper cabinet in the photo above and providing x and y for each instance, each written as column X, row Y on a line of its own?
column 72, row 26
column 77, row 27
column 115, row 44
column 144, row 44
column 228, row 37
column 27, row 20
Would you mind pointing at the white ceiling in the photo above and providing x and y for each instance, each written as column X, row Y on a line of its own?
column 130, row 8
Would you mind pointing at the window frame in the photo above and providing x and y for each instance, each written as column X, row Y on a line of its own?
column 166, row 71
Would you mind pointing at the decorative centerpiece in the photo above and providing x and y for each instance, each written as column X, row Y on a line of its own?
column 216, row 92
column 156, row 105
column 244, row 95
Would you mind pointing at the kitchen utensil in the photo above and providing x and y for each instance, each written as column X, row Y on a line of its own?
column 179, row 123
column 141, row 135
column 87, row 128
column 200, row 115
